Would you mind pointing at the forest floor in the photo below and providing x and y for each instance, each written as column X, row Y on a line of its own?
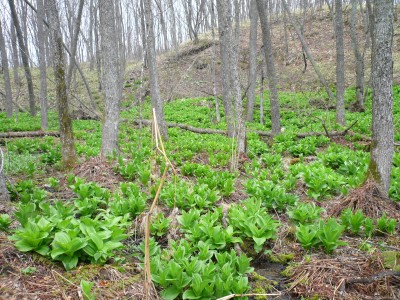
column 293, row 221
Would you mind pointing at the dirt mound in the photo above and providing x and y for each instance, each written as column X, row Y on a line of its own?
column 100, row 171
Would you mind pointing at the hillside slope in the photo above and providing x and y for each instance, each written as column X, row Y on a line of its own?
column 187, row 73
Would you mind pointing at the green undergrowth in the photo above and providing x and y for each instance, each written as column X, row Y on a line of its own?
column 282, row 183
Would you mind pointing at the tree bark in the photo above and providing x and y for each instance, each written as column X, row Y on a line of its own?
column 359, row 59
column 67, row 139
column 24, row 55
column 252, row 60
column 239, row 115
column 213, row 68
column 156, row 100
column 111, row 73
column 173, row 24
column 225, row 40
column 4, row 195
column 269, row 57
column 382, row 147
column 15, row 56
column 340, row 111
column 6, row 73
column 42, row 64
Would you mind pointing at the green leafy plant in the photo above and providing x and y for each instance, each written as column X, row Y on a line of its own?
column 307, row 235
column 254, row 222
column 329, row 234
column 129, row 200
column 28, row 270
column 86, row 288
column 5, row 222
column 65, row 247
column 305, row 213
column 386, row 224
column 352, row 221
column 272, row 195
column 159, row 224
column 369, row 227
column 35, row 235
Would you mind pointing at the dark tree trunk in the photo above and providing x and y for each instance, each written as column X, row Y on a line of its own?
column 42, row 64
column 24, row 55
column 382, row 146
column 271, row 73
column 225, row 38
column 359, row 59
column 156, row 100
column 7, row 81
column 64, row 119
column 15, row 56
column 252, row 60
column 340, row 111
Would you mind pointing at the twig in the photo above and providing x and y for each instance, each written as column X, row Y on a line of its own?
column 368, row 280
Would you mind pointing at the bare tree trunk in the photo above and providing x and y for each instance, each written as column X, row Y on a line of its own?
column 225, row 40
column 74, row 44
column 340, row 111
column 90, row 37
column 213, row 69
column 273, row 91
column 156, row 100
column 382, row 146
column 262, row 89
column 173, row 24
column 239, row 116
column 7, row 82
column 4, row 195
column 67, row 139
column 15, row 56
column 359, row 59
column 308, row 53
column 112, row 86
column 285, row 28
column 42, row 64
column 98, row 51
column 252, row 60
column 25, row 59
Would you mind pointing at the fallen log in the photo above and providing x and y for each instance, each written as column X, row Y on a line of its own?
column 259, row 132
column 22, row 134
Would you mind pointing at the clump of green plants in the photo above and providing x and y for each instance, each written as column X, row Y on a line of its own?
column 324, row 234
column 193, row 271
column 90, row 196
column 208, row 229
column 353, row 221
column 305, row 213
column 386, row 225
column 273, row 196
column 159, row 225
column 323, row 182
column 5, row 222
column 71, row 231
column 128, row 200
column 181, row 195
column 253, row 222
